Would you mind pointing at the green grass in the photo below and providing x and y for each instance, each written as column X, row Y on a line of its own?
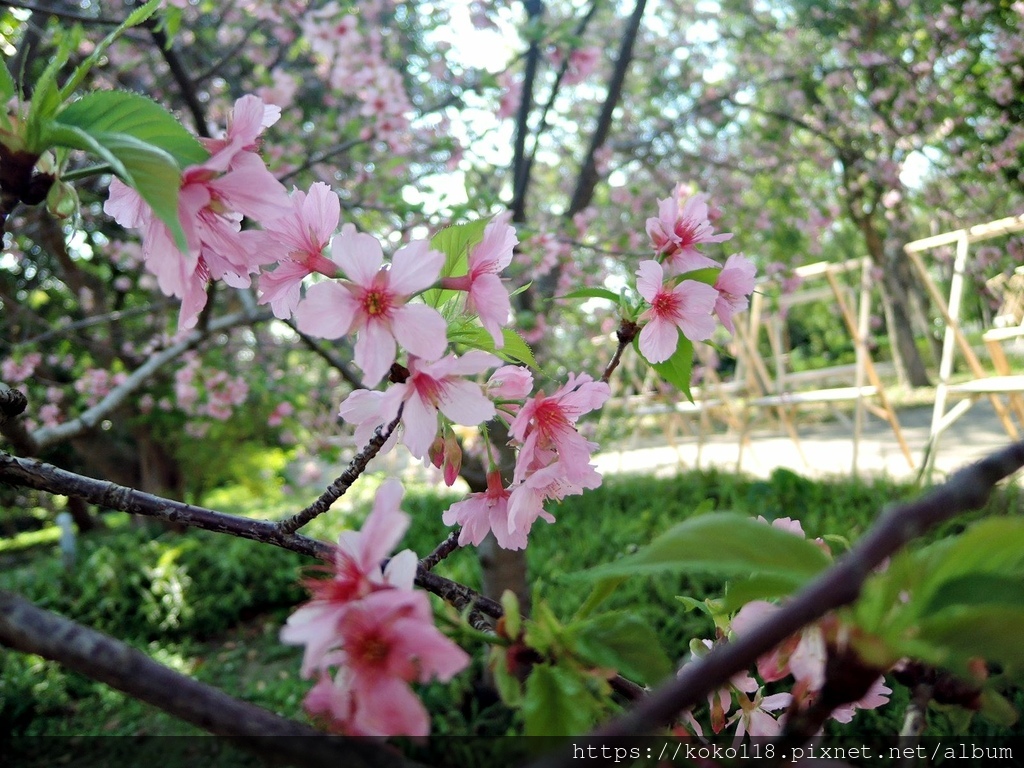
column 212, row 606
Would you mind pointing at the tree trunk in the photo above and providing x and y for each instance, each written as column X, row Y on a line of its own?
column 501, row 569
column 897, row 279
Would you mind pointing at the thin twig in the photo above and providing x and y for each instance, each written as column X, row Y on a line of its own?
column 442, row 550
column 625, row 334
column 30, row 473
column 338, row 488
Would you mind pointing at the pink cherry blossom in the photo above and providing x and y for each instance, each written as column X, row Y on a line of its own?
column 676, row 232
column 302, row 234
column 684, row 308
column 545, row 427
column 509, row 383
column 430, row 387
column 487, row 295
column 483, row 513
column 446, row 454
column 212, row 200
column 388, row 640
column 582, row 62
column 373, row 303
column 754, row 716
column 356, row 573
column 553, row 482
column 735, row 283
column 249, row 118
column 877, row 695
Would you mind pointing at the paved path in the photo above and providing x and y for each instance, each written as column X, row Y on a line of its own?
column 828, row 448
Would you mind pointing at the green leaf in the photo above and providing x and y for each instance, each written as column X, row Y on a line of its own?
column 71, row 137
column 513, row 618
column 977, row 589
column 678, row 369
column 134, row 115
column 723, row 544
column 544, row 633
column 960, row 634
column 509, row 688
column 7, row 86
column 623, row 642
column 135, row 18
column 598, row 594
column 455, row 243
column 741, row 591
column 46, row 98
column 592, row 293
column 153, row 174
column 515, row 350
column 706, row 275
column 552, row 703
column 991, row 546
column 997, row 708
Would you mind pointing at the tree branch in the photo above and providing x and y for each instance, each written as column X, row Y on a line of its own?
column 47, row 436
column 838, row 586
column 30, row 473
column 338, row 488
column 588, row 176
column 29, row 629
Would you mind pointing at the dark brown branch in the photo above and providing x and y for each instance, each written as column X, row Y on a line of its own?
column 46, row 477
column 838, row 586
column 338, row 488
column 12, row 405
column 442, row 550
column 588, row 176
column 520, row 179
column 29, row 473
column 29, row 629
column 542, row 123
column 625, row 334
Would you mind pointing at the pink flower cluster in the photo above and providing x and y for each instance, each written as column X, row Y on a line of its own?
column 355, row 67
column 214, row 196
column 16, row 371
column 370, row 629
column 553, row 459
column 682, row 305
column 801, row 656
column 96, row 383
column 212, row 394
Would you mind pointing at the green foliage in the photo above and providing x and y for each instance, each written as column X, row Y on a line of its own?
column 141, row 588
column 954, row 601
column 725, row 544
column 678, row 369
column 623, row 642
column 557, row 702
column 455, row 243
column 131, row 114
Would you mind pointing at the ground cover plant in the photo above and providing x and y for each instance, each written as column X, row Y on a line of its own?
column 182, row 323
column 222, row 621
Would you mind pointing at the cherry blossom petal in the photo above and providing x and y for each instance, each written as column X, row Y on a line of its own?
column 421, row 330
column 658, row 340
column 327, row 312
column 374, row 352
column 414, row 268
